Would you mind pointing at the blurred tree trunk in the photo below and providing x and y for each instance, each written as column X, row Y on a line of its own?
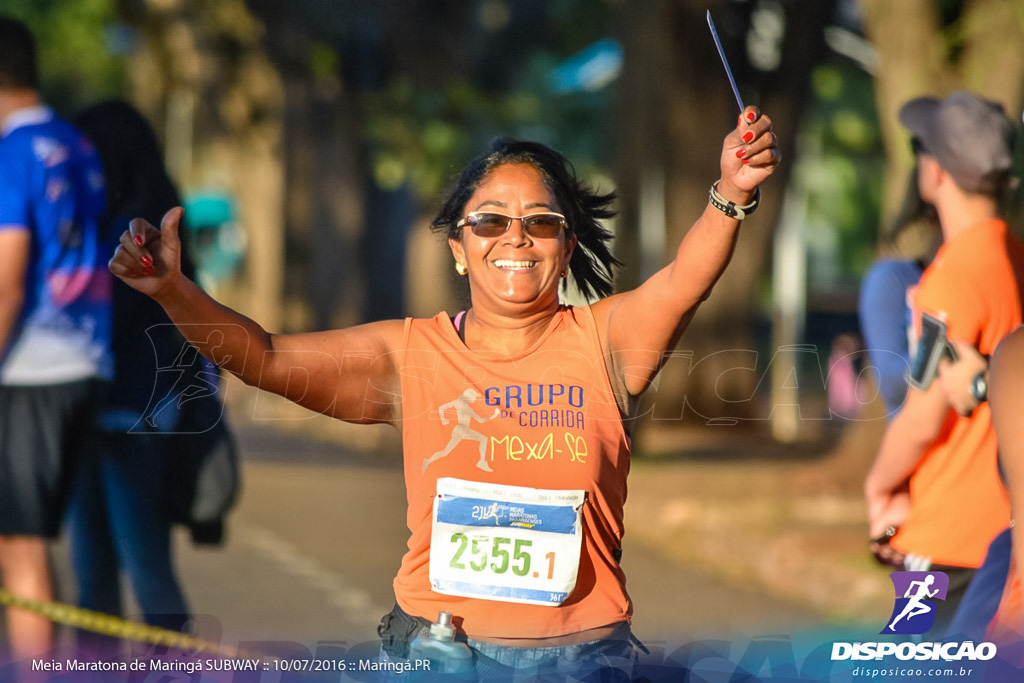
column 324, row 207
column 202, row 76
column 981, row 50
column 670, row 149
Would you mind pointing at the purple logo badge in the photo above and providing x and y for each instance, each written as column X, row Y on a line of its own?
column 914, row 611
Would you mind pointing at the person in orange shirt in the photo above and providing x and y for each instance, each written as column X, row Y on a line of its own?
column 934, row 496
column 513, row 412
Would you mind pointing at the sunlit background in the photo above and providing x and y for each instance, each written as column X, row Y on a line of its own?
column 312, row 140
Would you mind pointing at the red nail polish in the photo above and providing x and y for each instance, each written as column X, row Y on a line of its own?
column 740, row 153
column 139, row 240
column 748, row 136
column 150, row 271
column 146, row 261
column 744, row 161
column 751, row 116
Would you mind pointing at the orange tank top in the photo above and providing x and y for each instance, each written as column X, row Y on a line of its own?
column 546, row 419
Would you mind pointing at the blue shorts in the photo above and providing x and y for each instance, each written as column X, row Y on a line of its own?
column 613, row 658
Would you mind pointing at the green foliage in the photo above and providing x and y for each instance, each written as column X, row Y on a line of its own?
column 81, row 48
column 421, row 134
column 841, row 167
column 323, row 61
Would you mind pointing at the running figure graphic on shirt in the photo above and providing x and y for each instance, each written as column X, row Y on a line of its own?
column 462, row 431
column 917, row 591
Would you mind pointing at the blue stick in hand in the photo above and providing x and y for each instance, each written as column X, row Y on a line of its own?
column 725, row 63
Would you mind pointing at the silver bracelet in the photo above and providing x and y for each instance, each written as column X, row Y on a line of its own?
column 729, row 208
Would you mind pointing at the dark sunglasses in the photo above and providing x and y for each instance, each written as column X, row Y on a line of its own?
column 491, row 224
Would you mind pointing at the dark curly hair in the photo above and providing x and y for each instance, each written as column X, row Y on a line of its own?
column 592, row 261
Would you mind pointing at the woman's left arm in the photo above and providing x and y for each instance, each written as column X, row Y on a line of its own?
column 640, row 326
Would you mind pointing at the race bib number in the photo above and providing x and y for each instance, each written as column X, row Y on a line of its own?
column 507, row 543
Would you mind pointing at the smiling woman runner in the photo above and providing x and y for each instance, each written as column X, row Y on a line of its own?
column 518, row 392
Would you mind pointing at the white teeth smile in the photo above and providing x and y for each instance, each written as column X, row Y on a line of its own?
column 507, row 263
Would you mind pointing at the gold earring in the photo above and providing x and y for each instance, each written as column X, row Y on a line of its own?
column 460, row 269
column 565, row 273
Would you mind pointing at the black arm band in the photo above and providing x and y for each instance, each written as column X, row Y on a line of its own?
column 729, row 208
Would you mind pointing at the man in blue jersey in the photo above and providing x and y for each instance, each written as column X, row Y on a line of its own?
column 55, row 322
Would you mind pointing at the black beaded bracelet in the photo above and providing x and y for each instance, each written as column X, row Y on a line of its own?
column 729, row 208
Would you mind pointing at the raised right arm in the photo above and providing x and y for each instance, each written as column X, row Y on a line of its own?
column 350, row 374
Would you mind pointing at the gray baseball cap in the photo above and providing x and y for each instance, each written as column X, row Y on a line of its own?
column 970, row 137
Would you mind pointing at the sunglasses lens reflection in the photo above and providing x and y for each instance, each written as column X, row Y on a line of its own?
column 489, row 224
column 542, row 225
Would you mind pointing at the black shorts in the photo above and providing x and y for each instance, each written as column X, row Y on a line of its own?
column 42, row 431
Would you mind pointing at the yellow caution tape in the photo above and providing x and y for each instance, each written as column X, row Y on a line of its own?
column 107, row 625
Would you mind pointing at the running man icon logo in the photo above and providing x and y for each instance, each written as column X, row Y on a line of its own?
column 462, row 431
column 914, row 612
